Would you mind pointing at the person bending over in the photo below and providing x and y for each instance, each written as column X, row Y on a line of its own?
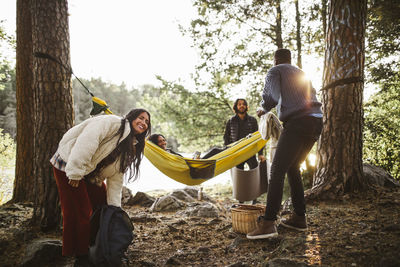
column 99, row 149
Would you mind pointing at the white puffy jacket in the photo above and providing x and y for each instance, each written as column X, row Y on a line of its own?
column 86, row 144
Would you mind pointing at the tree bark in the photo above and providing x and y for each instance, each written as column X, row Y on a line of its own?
column 323, row 15
column 278, row 26
column 340, row 146
column 298, row 33
column 53, row 103
column 23, row 183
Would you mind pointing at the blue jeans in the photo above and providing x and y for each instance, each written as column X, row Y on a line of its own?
column 296, row 140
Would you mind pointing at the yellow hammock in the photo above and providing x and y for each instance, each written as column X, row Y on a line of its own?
column 196, row 171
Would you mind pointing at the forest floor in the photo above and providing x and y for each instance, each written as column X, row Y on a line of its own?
column 359, row 230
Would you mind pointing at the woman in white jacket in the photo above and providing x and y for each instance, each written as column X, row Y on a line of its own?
column 99, row 149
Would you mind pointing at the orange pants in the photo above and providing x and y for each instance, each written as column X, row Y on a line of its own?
column 77, row 204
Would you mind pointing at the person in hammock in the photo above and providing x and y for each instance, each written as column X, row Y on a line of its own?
column 100, row 148
column 160, row 141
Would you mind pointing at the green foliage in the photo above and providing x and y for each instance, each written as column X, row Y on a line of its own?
column 313, row 39
column 7, row 86
column 382, row 129
column 6, row 39
column 383, row 27
column 383, row 42
column 7, row 166
column 195, row 118
column 237, row 39
column 118, row 97
column 7, row 98
column 382, row 111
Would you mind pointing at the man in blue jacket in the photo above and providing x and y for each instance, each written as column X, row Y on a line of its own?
column 301, row 114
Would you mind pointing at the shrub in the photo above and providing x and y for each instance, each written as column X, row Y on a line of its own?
column 7, row 166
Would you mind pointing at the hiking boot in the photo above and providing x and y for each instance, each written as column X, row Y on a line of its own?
column 295, row 222
column 264, row 229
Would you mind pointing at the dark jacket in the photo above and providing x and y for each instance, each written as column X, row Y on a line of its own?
column 232, row 129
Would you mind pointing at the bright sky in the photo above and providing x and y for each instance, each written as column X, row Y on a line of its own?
column 127, row 41
column 132, row 41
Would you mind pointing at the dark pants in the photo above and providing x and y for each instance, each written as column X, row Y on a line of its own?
column 296, row 140
column 252, row 162
column 77, row 204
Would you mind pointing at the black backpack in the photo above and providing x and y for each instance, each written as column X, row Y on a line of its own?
column 110, row 236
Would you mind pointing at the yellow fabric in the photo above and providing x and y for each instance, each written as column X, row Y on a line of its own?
column 178, row 169
column 103, row 104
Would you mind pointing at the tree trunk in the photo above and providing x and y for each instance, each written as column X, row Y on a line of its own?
column 23, row 183
column 323, row 15
column 298, row 31
column 53, row 102
column 340, row 146
column 278, row 26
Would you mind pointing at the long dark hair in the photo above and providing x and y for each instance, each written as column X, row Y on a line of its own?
column 154, row 138
column 131, row 155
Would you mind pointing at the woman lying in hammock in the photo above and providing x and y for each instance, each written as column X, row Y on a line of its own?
column 160, row 141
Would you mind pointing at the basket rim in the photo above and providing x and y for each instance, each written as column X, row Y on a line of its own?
column 247, row 208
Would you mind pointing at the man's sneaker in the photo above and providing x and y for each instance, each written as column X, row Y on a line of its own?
column 264, row 229
column 295, row 222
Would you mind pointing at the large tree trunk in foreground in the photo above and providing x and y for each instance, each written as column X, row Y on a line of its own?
column 24, row 180
column 53, row 102
column 340, row 146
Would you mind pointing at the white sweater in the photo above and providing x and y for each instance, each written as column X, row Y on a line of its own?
column 86, row 144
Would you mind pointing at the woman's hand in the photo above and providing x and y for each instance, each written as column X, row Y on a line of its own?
column 73, row 183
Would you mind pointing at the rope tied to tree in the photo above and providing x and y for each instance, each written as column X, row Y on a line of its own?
column 99, row 105
column 343, row 81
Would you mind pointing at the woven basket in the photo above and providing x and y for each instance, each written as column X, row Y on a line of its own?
column 244, row 217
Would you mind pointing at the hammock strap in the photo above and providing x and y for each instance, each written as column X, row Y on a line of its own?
column 343, row 81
